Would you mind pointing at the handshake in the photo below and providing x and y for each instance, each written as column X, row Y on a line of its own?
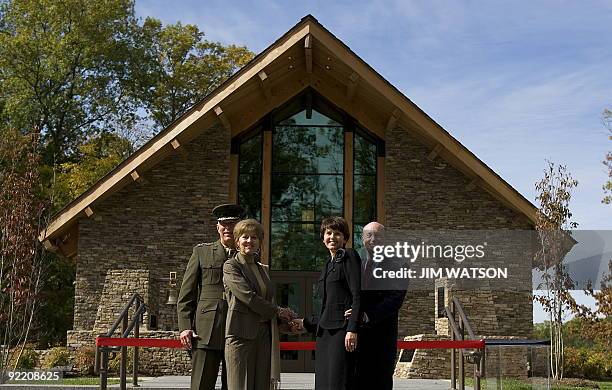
column 289, row 323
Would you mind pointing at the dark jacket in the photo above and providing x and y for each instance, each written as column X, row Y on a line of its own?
column 201, row 303
column 339, row 287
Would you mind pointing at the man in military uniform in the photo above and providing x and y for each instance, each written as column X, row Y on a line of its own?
column 202, row 307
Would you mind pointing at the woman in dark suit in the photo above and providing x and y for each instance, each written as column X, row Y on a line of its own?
column 339, row 286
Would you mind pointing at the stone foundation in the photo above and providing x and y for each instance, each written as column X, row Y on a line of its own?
column 435, row 363
column 152, row 361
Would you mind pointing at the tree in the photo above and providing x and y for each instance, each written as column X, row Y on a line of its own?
column 65, row 69
column 553, row 220
column 21, row 216
column 607, row 119
column 97, row 157
column 179, row 67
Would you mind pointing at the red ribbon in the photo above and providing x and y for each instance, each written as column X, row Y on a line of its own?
column 289, row 345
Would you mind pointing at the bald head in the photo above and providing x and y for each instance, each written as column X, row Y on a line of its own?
column 373, row 234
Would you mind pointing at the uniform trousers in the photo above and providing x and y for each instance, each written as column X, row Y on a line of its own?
column 248, row 361
column 334, row 366
column 205, row 369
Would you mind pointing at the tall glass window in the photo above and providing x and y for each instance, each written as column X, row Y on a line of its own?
column 364, row 186
column 249, row 177
column 307, row 185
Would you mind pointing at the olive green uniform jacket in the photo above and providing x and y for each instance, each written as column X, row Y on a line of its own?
column 201, row 303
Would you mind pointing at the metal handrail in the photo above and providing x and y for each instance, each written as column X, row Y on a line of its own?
column 126, row 329
column 458, row 332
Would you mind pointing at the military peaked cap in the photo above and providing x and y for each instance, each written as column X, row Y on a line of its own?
column 228, row 212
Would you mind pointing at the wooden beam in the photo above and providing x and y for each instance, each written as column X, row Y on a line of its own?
column 119, row 176
column 434, row 152
column 176, row 146
column 233, row 182
column 351, row 87
column 381, row 215
column 472, row 184
column 309, row 106
column 88, row 211
column 308, row 53
column 410, row 110
column 223, row 118
column 266, row 195
column 137, row 178
column 50, row 246
column 264, row 84
column 392, row 120
column 348, row 182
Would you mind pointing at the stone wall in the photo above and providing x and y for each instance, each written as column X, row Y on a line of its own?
column 500, row 361
column 119, row 286
column 153, row 226
column 152, row 361
column 429, row 195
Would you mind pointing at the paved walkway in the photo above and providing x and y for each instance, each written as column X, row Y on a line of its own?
column 289, row 381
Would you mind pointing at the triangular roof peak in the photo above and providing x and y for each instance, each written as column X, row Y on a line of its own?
column 306, row 56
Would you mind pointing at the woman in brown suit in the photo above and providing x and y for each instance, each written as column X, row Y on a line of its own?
column 251, row 331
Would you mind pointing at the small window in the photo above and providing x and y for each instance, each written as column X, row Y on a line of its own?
column 441, row 299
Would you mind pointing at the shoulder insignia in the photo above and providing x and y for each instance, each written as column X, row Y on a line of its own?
column 204, row 243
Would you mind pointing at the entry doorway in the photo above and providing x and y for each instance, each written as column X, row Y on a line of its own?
column 297, row 290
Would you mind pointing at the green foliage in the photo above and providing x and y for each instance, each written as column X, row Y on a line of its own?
column 55, row 315
column 85, row 359
column 587, row 363
column 58, row 356
column 64, row 69
column 97, row 157
column 607, row 187
column 178, row 67
column 28, row 359
column 115, row 362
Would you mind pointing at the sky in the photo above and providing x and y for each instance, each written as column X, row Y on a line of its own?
column 515, row 82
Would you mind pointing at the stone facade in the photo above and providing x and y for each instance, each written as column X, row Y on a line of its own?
column 428, row 195
column 153, row 226
column 500, row 361
column 140, row 234
column 152, row 361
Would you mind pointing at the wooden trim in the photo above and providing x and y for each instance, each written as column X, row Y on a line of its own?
column 434, row 152
column 308, row 53
column 266, row 178
column 395, row 115
column 233, row 179
column 223, row 118
column 50, row 246
column 264, row 85
column 472, row 184
column 435, row 131
column 88, row 211
column 348, row 182
column 351, row 87
column 116, row 179
column 176, row 146
column 381, row 215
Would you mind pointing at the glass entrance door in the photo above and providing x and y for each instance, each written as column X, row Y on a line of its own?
column 297, row 290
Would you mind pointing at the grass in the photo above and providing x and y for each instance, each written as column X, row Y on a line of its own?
column 72, row 381
column 539, row 383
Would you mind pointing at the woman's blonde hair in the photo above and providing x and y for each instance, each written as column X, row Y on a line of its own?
column 250, row 227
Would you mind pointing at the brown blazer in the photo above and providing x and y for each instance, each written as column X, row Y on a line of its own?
column 246, row 305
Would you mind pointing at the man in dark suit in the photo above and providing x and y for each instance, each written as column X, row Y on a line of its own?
column 202, row 307
column 377, row 347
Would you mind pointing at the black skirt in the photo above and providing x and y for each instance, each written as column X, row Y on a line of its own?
column 334, row 366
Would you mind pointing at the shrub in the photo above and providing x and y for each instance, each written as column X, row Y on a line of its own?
column 114, row 363
column 58, row 356
column 587, row 363
column 28, row 359
column 84, row 360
